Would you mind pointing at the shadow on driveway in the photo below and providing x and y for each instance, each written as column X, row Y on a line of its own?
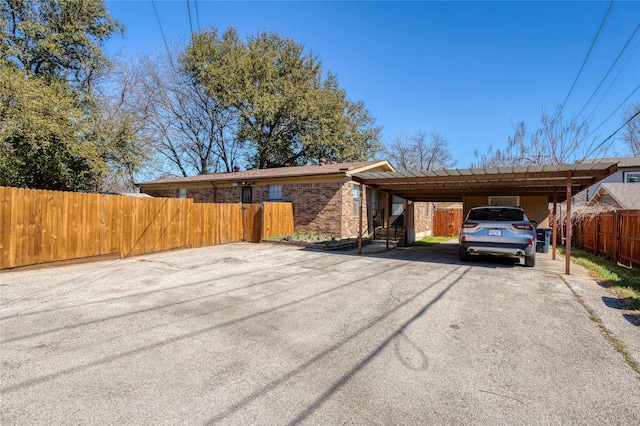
column 445, row 253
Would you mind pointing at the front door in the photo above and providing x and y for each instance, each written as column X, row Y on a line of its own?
column 247, row 195
column 396, row 210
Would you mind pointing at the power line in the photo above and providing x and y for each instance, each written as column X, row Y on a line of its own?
column 166, row 45
column 617, row 130
column 189, row 11
column 614, row 80
column 614, row 111
column 609, row 71
column 197, row 14
column 587, row 57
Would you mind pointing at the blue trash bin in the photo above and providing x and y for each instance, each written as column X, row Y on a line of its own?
column 543, row 237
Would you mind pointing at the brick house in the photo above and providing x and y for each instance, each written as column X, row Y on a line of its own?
column 325, row 199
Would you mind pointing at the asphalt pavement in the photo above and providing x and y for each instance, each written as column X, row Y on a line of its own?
column 273, row 334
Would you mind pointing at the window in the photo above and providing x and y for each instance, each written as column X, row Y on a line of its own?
column 504, row 201
column 247, row 195
column 397, row 205
column 372, row 204
column 182, row 193
column 357, row 200
column 632, row 177
column 275, row 192
column 496, row 214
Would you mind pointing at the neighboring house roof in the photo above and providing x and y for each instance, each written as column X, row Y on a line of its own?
column 449, row 205
column 127, row 194
column 623, row 162
column 623, row 195
column 344, row 169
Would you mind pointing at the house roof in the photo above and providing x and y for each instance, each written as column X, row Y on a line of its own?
column 626, row 195
column 623, row 162
column 454, row 184
column 344, row 169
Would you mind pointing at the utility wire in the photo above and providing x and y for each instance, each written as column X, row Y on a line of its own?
column 197, row 14
column 613, row 134
column 612, row 83
column 587, row 57
column 614, row 111
column 189, row 11
column 607, row 74
column 166, row 45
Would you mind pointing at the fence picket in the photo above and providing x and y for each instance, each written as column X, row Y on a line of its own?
column 40, row 226
column 614, row 235
column 5, row 233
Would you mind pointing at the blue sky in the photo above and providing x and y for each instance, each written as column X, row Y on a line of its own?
column 468, row 70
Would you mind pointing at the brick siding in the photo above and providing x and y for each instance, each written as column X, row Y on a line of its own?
column 227, row 194
column 325, row 208
column 201, row 195
column 162, row 193
column 422, row 217
column 350, row 221
column 317, row 207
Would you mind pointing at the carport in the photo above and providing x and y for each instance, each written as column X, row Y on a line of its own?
column 558, row 182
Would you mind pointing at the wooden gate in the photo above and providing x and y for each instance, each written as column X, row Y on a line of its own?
column 252, row 222
column 446, row 223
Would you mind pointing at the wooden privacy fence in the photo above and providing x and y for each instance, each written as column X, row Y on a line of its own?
column 38, row 226
column 446, row 223
column 614, row 235
column 277, row 219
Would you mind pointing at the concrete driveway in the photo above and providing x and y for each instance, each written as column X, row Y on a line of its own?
column 271, row 334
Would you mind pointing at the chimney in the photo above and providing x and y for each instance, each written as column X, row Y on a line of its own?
column 322, row 161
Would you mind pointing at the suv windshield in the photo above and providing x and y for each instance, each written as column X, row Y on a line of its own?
column 496, row 214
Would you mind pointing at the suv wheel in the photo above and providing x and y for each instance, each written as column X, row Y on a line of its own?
column 463, row 255
column 530, row 261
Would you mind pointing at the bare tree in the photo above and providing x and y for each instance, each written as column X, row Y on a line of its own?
column 556, row 141
column 398, row 150
column 421, row 151
column 192, row 132
column 125, row 121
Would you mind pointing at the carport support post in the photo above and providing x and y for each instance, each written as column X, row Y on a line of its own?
column 554, row 224
column 567, row 260
column 360, row 219
column 386, row 216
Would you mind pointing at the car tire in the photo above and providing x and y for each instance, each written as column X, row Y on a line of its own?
column 463, row 255
column 530, row 261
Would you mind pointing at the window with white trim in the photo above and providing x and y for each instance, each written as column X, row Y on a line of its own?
column 630, row 177
column 511, row 201
column 357, row 200
column 182, row 193
column 275, row 192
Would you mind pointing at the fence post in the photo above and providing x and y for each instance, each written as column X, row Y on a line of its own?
column 264, row 211
column 596, row 237
column 615, row 238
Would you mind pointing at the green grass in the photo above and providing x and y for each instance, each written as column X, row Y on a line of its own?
column 625, row 281
column 432, row 241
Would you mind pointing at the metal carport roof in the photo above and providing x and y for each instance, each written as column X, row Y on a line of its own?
column 559, row 182
column 454, row 184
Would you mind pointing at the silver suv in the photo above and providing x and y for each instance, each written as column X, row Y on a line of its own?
column 498, row 231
